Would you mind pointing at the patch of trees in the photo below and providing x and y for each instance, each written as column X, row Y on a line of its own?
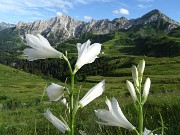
column 93, row 37
column 175, row 32
column 10, row 39
column 157, row 46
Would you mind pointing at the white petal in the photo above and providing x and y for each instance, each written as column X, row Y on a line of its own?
column 93, row 93
column 83, row 48
column 107, row 116
column 55, row 121
column 116, row 111
column 43, row 40
column 131, row 90
column 87, row 53
column 32, row 41
column 135, row 75
column 146, row 87
column 141, row 67
column 41, row 49
column 55, row 92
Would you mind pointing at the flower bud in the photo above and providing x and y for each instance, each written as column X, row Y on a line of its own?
column 146, row 89
column 131, row 90
column 141, row 67
column 135, row 75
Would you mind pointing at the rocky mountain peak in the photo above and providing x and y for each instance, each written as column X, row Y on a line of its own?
column 155, row 15
column 63, row 26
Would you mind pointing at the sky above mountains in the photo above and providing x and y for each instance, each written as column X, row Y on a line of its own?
column 13, row 11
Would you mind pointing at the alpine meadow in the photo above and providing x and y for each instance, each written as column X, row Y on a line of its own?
column 101, row 77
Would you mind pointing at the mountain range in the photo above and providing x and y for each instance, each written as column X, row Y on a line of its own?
column 66, row 27
column 4, row 25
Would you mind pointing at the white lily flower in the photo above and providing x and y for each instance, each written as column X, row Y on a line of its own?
column 146, row 88
column 131, row 89
column 87, row 53
column 93, row 93
column 55, row 121
column 141, row 67
column 113, row 117
column 55, row 92
column 146, row 132
column 135, row 75
column 41, row 49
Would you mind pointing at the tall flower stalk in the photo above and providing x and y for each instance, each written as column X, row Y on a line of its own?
column 87, row 53
column 115, row 117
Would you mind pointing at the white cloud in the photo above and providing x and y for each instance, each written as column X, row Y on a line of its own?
column 26, row 10
column 145, row 0
column 144, row 6
column 87, row 18
column 36, row 5
column 59, row 14
column 121, row 11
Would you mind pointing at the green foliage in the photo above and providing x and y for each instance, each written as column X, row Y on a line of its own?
column 157, row 46
column 93, row 37
column 175, row 33
column 9, row 40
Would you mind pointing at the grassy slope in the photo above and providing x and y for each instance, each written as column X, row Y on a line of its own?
column 20, row 95
column 20, row 105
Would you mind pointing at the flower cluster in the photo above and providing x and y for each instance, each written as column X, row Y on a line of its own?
column 87, row 53
column 115, row 117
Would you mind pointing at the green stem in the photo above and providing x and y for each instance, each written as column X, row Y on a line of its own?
column 71, row 99
column 43, row 92
column 140, row 110
column 69, row 65
column 136, row 132
column 140, row 119
column 72, row 104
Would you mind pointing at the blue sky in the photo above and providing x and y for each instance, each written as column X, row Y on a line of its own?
column 13, row 11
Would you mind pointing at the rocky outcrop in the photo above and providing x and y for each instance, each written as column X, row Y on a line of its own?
column 66, row 27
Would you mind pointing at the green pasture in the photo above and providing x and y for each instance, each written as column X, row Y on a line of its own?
column 22, row 105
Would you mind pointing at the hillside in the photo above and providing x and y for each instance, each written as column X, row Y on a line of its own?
column 22, row 107
column 19, row 86
column 10, row 40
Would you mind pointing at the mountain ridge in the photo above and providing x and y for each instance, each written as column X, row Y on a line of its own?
column 4, row 25
column 66, row 27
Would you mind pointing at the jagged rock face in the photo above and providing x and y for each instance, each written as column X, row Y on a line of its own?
column 153, row 16
column 98, row 26
column 4, row 25
column 66, row 27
